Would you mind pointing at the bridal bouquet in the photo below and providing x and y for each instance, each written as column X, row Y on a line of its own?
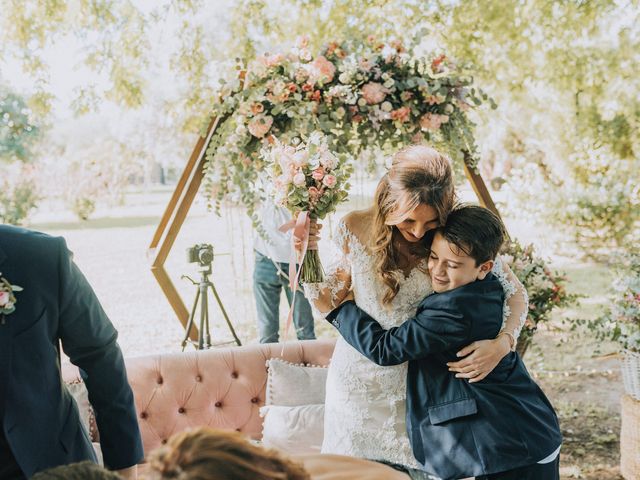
column 309, row 180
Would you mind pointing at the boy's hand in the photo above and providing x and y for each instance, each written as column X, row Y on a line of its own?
column 481, row 358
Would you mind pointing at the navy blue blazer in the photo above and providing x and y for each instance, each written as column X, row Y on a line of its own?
column 459, row 429
column 38, row 416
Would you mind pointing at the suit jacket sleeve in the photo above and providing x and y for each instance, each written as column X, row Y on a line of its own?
column 432, row 330
column 89, row 339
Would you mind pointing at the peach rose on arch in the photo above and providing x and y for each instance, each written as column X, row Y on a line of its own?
column 321, row 70
column 402, row 114
column 374, row 92
column 260, row 125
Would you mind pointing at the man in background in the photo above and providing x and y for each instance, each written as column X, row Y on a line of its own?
column 271, row 276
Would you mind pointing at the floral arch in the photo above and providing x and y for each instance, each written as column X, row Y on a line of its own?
column 361, row 95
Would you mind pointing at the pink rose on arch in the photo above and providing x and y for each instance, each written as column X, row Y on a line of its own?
column 260, row 125
column 4, row 298
column 321, row 70
column 329, row 181
column 318, row 174
column 374, row 92
column 432, row 121
column 272, row 60
column 365, row 64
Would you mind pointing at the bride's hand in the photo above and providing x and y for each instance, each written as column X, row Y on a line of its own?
column 481, row 358
column 350, row 297
column 314, row 236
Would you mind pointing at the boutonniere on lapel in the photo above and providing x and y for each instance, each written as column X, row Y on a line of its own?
column 7, row 298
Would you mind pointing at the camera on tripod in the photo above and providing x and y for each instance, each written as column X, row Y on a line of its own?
column 201, row 254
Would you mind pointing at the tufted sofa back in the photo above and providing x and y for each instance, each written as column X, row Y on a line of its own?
column 222, row 388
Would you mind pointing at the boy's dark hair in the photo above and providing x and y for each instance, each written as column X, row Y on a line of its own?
column 77, row 471
column 476, row 231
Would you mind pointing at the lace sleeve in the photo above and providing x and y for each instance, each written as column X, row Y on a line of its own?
column 516, row 300
column 325, row 296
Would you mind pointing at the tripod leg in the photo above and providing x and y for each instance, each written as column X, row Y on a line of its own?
column 190, row 322
column 204, row 315
column 224, row 314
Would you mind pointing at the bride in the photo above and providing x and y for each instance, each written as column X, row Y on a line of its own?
column 384, row 261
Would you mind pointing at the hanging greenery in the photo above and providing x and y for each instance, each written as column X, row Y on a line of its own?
column 361, row 95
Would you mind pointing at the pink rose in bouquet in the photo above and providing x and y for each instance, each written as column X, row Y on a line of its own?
column 329, row 181
column 318, row 174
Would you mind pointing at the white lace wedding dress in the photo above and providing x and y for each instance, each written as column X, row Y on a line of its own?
column 365, row 403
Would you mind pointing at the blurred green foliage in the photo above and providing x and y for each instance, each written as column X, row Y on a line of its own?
column 564, row 75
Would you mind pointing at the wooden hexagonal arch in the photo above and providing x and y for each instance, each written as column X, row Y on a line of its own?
column 182, row 199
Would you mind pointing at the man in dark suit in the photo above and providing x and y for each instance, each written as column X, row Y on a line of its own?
column 40, row 423
column 500, row 428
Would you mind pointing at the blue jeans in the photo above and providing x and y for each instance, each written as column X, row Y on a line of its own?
column 267, row 286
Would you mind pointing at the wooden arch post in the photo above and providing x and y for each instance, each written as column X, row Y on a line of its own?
column 173, row 219
column 182, row 199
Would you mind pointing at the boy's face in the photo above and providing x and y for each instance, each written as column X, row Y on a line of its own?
column 450, row 267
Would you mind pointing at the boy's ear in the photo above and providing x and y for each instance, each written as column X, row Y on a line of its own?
column 485, row 269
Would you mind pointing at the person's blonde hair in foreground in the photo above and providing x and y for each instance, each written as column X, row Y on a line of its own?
column 208, row 454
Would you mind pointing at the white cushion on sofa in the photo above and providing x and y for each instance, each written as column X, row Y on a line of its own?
column 295, row 430
column 291, row 385
column 294, row 407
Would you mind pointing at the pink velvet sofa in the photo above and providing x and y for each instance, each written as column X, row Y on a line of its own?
column 221, row 388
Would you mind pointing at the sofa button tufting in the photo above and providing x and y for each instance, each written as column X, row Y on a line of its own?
column 234, row 375
column 163, row 441
column 218, row 404
column 255, row 400
column 198, row 378
column 144, row 415
column 160, row 380
column 181, row 410
column 238, row 430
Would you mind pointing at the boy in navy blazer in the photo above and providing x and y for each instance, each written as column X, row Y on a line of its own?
column 500, row 428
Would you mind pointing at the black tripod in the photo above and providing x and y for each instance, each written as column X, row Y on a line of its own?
column 204, row 336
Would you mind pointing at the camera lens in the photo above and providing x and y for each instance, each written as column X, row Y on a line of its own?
column 206, row 256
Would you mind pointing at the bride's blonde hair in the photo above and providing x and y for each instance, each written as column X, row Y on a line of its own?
column 418, row 175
